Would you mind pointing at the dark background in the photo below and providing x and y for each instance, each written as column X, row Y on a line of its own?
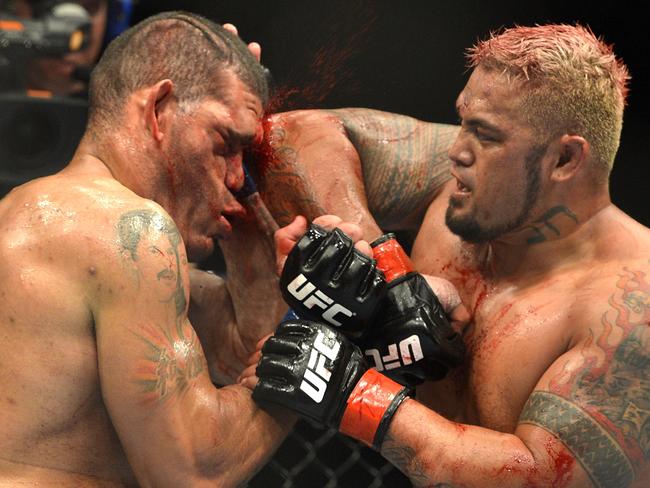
column 407, row 57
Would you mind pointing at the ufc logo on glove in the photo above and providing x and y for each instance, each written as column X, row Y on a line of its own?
column 410, row 351
column 316, row 376
column 306, row 292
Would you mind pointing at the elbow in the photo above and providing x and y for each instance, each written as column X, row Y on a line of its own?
column 222, row 452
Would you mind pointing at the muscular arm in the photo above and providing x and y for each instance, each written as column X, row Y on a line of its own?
column 404, row 163
column 231, row 315
column 376, row 169
column 587, row 422
column 177, row 429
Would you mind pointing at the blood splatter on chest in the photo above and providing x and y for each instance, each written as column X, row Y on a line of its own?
column 513, row 336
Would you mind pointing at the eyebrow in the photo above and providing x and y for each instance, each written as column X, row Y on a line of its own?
column 478, row 122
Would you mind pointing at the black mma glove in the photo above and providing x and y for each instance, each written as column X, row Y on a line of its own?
column 411, row 339
column 326, row 279
column 318, row 373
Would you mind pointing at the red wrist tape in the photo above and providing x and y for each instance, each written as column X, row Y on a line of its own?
column 371, row 406
column 390, row 257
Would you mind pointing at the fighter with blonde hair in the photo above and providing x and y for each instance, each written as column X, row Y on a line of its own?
column 555, row 388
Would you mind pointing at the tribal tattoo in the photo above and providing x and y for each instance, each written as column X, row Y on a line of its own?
column 405, row 459
column 282, row 180
column 544, row 224
column 403, row 165
column 601, row 411
column 404, row 161
column 174, row 356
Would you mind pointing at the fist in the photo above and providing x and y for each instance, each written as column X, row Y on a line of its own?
column 326, row 278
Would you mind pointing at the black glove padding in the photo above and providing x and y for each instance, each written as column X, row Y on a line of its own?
column 310, row 369
column 326, row 279
column 412, row 340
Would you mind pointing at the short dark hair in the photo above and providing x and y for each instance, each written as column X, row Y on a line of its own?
column 192, row 51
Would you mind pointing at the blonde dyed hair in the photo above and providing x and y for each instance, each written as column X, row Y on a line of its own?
column 573, row 82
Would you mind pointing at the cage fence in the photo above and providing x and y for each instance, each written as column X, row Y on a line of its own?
column 314, row 457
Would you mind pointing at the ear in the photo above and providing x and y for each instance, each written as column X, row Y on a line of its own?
column 157, row 99
column 572, row 155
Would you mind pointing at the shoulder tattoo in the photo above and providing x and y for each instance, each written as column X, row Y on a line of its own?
column 152, row 243
column 601, row 411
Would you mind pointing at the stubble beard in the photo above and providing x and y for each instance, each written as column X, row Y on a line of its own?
column 469, row 229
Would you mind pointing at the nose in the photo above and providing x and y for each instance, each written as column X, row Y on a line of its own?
column 459, row 152
column 234, row 172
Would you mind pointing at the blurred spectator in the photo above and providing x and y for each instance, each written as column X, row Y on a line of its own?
column 63, row 75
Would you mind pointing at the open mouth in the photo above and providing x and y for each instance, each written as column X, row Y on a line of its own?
column 461, row 187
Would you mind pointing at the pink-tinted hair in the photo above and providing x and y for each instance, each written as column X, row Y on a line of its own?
column 579, row 84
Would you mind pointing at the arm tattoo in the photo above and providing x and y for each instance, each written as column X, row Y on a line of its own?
column 170, row 365
column 174, row 354
column 283, row 184
column 404, row 161
column 404, row 458
column 602, row 411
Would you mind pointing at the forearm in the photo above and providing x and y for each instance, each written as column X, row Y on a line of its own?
column 212, row 315
column 433, row 451
column 311, row 168
column 251, row 279
column 243, row 436
column 230, row 315
column 219, row 438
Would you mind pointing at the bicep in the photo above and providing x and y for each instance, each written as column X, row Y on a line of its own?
column 404, row 163
column 595, row 399
column 151, row 366
column 151, row 377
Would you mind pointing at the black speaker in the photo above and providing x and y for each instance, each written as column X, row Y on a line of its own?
column 38, row 136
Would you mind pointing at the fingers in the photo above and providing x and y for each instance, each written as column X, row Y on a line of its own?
column 285, row 238
column 231, row 28
column 261, row 342
column 254, row 358
column 460, row 318
column 363, row 247
column 330, row 222
column 248, row 378
column 450, row 300
column 253, row 47
column 446, row 292
column 256, row 50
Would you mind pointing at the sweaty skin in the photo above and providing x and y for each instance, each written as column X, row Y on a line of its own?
column 90, row 298
column 376, row 169
column 104, row 380
column 555, row 389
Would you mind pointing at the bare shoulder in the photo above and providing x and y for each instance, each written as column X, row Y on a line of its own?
column 623, row 237
column 595, row 397
column 65, row 221
column 617, row 278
